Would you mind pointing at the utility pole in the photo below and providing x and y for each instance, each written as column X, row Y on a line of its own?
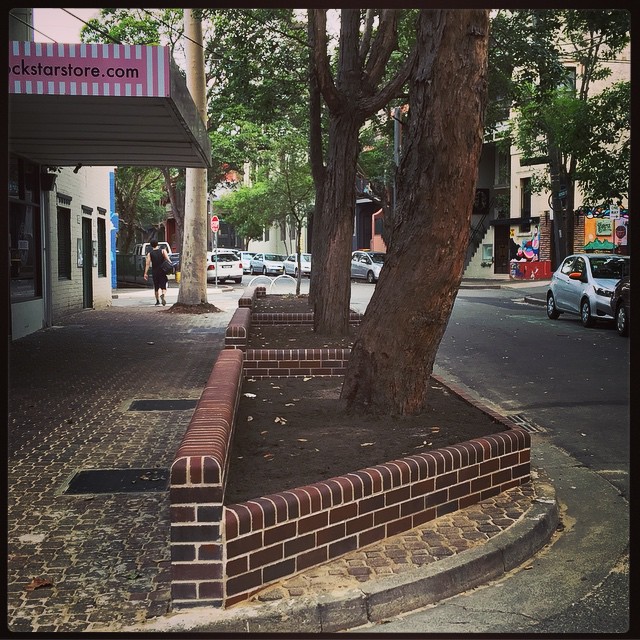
column 193, row 285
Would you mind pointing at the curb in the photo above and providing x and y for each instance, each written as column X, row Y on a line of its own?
column 388, row 597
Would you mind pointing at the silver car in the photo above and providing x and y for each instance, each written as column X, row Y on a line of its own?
column 583, row 285
column 367, row 265
column 267, row 263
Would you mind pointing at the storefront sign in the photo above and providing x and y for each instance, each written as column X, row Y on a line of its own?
column 42, row 68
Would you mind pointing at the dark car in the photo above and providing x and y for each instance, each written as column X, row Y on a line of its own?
column 620, row 305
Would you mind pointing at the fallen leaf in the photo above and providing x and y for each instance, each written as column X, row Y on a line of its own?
column 249, row 418
column 268, row 456
column 367, row 444
column 263, row 432
column 290, row 404
column 306, row 379
column 38, row 583
column 435, row 429
column 302, row 440
column 250, row 395
column 280, row 420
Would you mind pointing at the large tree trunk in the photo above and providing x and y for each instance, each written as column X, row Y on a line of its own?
column 193, row 260
column 334, row 228
column 392, row 358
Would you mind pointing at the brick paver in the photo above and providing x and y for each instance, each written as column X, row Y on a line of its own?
column 100, row 562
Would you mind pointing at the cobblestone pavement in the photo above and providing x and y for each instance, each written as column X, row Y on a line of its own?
column 100, row 561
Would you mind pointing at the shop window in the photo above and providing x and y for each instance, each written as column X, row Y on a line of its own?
column 102, row 248
column 24, row 230
column 64, row 244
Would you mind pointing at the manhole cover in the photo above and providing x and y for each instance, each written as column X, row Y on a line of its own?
column 175, row 404
column 118, row 481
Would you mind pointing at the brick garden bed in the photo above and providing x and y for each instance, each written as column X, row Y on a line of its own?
column 223, row 553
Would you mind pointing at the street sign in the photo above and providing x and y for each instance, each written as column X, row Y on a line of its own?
column 215, row 223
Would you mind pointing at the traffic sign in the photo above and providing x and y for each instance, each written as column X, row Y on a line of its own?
column 215, row 223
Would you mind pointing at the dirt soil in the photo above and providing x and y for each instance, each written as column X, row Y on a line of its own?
column 291, row 432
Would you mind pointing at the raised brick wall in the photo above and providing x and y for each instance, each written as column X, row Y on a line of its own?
column 278, row 363
column 223, row 553
column 198, row 479
column 282, row 534
column 237, row 334
column 271, row 318
column 250, row 294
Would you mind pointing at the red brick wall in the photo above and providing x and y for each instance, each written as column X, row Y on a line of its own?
column 223, row 553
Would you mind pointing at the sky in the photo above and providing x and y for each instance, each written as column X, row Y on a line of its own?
column 56, row 25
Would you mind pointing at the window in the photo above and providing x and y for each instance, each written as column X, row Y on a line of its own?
column 525, row 204
column 503, row 168
column 24, row 230
column 64, row 244
column 283, row 231
column 567, row 265
column 102, row 248
column 266, row 234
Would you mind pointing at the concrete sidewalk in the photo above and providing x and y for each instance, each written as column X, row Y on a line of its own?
column 99, row 561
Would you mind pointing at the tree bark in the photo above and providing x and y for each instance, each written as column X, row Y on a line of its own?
column 193, row 284
column 332, row 256
column 393, row 355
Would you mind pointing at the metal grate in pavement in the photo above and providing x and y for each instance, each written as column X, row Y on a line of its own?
column 175, row 404
column 526, row 424
column 118, row 481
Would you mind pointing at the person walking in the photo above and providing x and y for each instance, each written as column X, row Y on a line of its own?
column 155, row 258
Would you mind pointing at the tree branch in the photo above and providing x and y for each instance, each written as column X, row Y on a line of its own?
column 318, row 34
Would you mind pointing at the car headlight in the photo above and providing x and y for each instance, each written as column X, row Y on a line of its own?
column 605, row 293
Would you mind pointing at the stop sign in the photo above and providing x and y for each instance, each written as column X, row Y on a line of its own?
column 215, row 223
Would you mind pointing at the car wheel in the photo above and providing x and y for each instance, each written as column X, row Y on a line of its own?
column 585, row 314
column 295, row 273
column 552, row 311
column 622, row 322
column 370, row 277
column 238, row 280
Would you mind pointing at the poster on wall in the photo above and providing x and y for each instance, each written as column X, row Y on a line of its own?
column 79, row 245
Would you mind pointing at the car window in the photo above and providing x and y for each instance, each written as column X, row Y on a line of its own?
column 609, row 267
column 306, row 257
column 567, row 265
column 272, row 256
column 365, row 259
column 224, row 257
column 355, row 257
column 378, row 257
column 579, row 266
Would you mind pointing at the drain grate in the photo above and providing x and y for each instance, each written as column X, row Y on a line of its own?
column 118, row 481
column 175, row 404
column 526, row 424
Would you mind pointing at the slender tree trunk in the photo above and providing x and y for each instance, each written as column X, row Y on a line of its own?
column 193, row 285
column 334, row 225
column 392, row 358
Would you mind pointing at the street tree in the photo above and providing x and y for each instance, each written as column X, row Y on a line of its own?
column 358, row 88
column 392, row 357
column 138, row 192
column 193, row 259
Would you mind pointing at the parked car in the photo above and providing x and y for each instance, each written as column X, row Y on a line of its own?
column 246, row 256
column 367, row 265
column 267, row 263
column 621, row 304
column 141, row 250
column 583, row 284
column 291, row 264
column 225, row 265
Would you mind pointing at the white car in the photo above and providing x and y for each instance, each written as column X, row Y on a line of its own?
column 267, row 263
column 246, row 257
column 291, row 265
column 583, row 285
column 225, row 265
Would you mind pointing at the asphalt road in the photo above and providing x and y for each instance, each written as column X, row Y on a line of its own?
column 570, row 382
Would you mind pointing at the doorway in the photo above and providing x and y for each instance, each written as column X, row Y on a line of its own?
column 501, row 240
